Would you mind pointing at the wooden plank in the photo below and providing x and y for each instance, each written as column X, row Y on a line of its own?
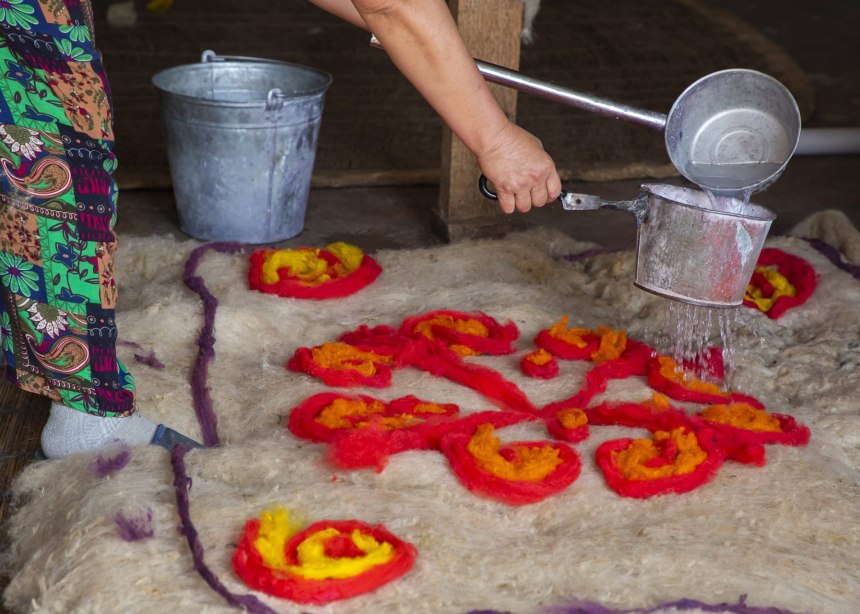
column 491, row 31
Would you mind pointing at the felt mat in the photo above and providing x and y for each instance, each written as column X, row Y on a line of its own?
column 376, row 129
column 785, row 535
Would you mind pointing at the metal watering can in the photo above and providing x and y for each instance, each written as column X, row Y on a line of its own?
column 686, row 251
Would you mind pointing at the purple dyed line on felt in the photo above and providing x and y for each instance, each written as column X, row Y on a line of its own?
column 104, row 466
column 835, row 256
column 135, row 528
column 741, row 607
column 150, row 360
column 182, row 484
column 205, row 341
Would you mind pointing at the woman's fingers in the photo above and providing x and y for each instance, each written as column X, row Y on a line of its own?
column 507, row 202
column 539, row 196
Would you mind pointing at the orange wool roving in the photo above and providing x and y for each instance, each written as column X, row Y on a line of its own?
column 612, row 344
column 516, row 473
column 539, row 364
column 742, row 416
column 365, row 431
column 669, row 453
column 666, row 376
column 467, row 334
column 743, row 424
column 568, row 343
column 522, row 463
column 341, row 364
column 568, row 424
column 672, row 462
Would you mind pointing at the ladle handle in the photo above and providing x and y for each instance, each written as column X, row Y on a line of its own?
column 584, row 202
column 558, row 93
column 487, row 191
column 551, row 91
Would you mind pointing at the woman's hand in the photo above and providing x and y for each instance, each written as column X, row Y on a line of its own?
column 522, row 173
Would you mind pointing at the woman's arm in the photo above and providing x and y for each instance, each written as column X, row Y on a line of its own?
column 422, row 40
column 343, row 9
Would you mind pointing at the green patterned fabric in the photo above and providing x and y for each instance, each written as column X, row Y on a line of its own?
column 58, row 209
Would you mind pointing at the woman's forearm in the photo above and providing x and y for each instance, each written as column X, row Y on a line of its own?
column 344, row 9
column 423, row 41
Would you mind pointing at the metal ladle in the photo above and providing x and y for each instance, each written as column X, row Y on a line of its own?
column 730, row 132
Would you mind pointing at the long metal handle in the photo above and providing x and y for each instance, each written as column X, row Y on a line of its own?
column 551, row 91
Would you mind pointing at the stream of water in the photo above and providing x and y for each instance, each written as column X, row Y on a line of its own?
column 723, row 180
column 692, row 329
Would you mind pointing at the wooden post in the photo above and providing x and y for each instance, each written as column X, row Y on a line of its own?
column 491, row 30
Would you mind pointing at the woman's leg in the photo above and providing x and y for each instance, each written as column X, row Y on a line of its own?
column 57, row 212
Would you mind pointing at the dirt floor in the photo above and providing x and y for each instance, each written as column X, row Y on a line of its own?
column 822, row 39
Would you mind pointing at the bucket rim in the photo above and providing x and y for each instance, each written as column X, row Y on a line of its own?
column 293, row 94
column 753, row 212
column 684, row 298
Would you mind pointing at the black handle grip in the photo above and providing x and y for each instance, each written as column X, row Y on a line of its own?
column 484, row 187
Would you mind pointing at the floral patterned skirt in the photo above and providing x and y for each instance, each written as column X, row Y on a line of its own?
column 58, row 209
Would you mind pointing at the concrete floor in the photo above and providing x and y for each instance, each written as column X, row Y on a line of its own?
column 822, row 39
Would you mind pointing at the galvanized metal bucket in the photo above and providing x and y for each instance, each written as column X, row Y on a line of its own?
column 241, row 143
column 685, row 250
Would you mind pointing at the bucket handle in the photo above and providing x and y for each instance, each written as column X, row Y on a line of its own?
column 585, row 202
column 274, row 98
column 210, row 56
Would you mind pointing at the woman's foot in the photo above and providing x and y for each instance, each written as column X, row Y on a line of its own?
column 69, row 431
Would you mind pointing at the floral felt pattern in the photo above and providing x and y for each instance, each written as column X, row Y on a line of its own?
column 338, row 270
column 781, row 281
column 365, row 431
column 685, row 451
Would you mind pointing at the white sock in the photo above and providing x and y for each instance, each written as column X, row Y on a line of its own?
column 69, row 431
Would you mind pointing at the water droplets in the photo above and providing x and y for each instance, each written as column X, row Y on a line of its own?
column 690, row 331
